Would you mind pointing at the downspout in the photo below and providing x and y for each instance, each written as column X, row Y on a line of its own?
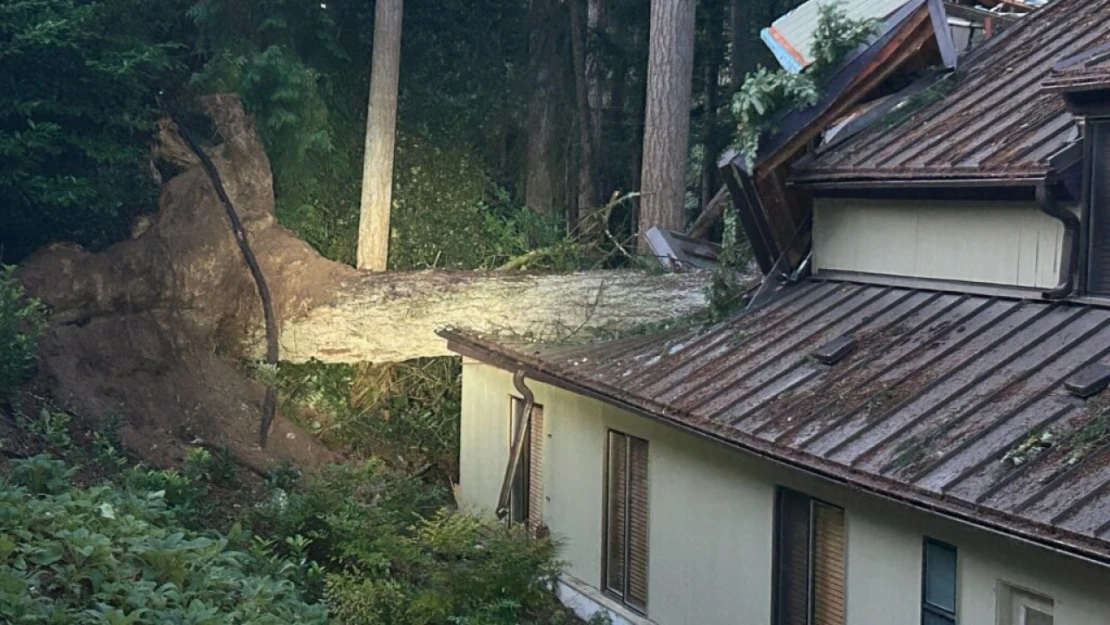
column 1046, row 200
column 517, row 448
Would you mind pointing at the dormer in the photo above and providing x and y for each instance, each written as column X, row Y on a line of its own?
column 995, row 176
column 1083, row 82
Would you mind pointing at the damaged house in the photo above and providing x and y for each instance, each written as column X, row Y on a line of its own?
column 911, row 422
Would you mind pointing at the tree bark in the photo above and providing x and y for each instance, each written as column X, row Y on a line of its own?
column 381, row 132
column 667, row 115
column 390, row 317
column 587, row 194
column 539, row 184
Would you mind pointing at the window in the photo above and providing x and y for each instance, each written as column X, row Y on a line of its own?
column 810, row 586
column 1022, row 607
column 938, row 584
column 526, row 493
column 625, row 558
column 1098, row 211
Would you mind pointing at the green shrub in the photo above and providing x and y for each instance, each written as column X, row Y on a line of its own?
column 109, row 556
column 180, row 493
column 41, row 475
column 405, row 412
column 51, row 428
column 21, row 321
column 395, row 555
column 216, row 468
column 450, row 568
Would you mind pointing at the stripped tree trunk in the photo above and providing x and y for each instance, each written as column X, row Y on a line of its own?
column 381, row 132
column 667, row 115
column 389, row 317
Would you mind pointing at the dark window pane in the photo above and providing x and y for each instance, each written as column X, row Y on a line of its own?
column 1034, row 616
column 518, row 493
column 929, row 618
column 940, row 576
column 793, row 558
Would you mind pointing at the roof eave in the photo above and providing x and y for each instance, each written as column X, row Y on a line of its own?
column 491, row 353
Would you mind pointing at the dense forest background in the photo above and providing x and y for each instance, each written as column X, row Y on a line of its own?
column 496, row 152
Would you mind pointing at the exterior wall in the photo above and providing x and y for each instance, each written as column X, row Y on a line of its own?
column 711, row 522
column 1005, row 243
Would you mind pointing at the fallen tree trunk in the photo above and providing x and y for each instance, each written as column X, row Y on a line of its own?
column 393, row 316
column 153, row 327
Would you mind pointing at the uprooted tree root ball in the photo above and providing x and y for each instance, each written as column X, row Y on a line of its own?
column 154, row 328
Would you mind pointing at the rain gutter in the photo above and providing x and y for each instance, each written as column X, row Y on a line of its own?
column 1046, row 201
column 517, row 449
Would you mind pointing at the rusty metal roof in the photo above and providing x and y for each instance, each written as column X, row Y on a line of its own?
column 997, row 122
column 952, row 402
column 1090, row 70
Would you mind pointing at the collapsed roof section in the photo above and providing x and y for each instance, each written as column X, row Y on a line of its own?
column 992, row 122
column 791, row 36
column 913, row 39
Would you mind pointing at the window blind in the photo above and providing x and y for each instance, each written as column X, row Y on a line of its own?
column 829, row 583
column 626, row 520
column 810, row 556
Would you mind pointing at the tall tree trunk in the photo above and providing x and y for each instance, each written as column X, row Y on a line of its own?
column 745, row 44
column 667, row 115
column 539, row 184
column 594, row 94
column 381, row 133
column 711, row 139
column 587, row 196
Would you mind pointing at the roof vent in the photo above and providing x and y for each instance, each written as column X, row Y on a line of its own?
column 835, row 350
column 1089, row 380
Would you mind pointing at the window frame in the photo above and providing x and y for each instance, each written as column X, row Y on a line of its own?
column 777, row 544
column 928, row 608
column 622, row 598
column 1011, row 597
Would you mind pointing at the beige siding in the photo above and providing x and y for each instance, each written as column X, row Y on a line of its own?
column 1006, row 243
column 712, row 519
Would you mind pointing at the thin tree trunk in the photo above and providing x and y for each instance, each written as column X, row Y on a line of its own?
column 587, row 196
column 381, row 132
column 539, row 186
column 667, row 115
